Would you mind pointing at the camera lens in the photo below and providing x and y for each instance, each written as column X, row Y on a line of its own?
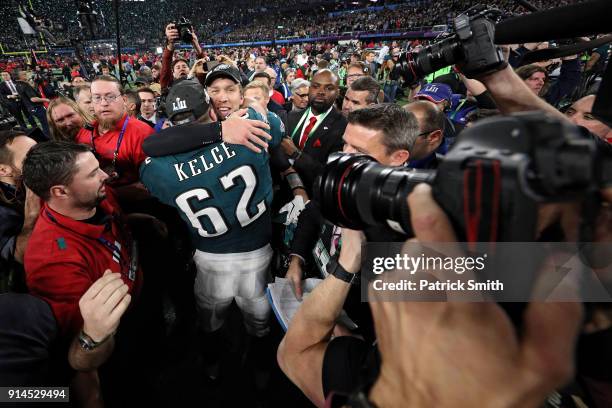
column 355, row 192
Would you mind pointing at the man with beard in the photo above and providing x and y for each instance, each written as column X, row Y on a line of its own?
column 317, row 131
column 66, row 119
column 115, row 139
column 79, row 238
column 19, row 209
column 79, row 234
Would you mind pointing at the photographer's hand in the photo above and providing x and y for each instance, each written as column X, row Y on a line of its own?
column 196, row 43
column 426, row 346
column 172, row 35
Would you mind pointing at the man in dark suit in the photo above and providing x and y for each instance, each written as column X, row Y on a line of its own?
column 317, row 131
column 9, row 97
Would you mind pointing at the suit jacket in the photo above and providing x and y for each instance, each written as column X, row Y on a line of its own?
column 5, row 92
column 326, row 139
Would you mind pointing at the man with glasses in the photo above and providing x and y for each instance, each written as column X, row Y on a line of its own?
column 115, row 138
column 430, row 143
column 299, row 95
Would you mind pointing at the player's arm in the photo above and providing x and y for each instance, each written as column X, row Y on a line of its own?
column 180, row 139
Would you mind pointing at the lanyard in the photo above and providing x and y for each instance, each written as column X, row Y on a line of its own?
column 320, row 119
column 119, row 140
column 114, row 249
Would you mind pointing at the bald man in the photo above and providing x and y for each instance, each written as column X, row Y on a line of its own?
column 316, row 132
column 580, row 114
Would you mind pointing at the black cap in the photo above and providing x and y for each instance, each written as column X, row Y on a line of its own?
column 186, row 95
column 223, row 71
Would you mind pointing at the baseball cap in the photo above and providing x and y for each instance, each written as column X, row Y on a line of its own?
column 186, row 95
column 435, row 92
column 223, row 71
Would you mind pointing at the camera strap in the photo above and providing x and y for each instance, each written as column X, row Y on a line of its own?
column 481, row 200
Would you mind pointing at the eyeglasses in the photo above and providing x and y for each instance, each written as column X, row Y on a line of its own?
column 108, row 98
column 302, row 95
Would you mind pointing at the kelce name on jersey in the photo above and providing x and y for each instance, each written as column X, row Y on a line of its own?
column 195, row 167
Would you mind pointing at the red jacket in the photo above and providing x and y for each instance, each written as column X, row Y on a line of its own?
column 64, row 257
column 130, row 155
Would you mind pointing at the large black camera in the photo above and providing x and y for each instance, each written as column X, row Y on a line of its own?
column 471, row 47
column 183, row 25
column 489, row 184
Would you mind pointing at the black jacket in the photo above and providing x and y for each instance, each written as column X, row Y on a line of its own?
column 5, row 92
column 326, row 139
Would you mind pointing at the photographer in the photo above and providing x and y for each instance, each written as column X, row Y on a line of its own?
column 319, row 365
column 385, row 132
column 171, row 71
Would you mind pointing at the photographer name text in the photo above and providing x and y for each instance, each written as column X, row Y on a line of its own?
column 449, row 286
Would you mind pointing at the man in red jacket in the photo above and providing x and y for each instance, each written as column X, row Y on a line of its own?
column 79, row 234
column 116, row 139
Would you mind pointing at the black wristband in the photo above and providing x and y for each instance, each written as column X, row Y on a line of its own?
column 334, row 268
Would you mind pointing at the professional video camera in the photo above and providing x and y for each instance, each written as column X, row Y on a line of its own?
column 183, row 25
column 471, row 47
column 489, row 186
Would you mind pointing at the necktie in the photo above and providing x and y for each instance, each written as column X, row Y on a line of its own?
column 12, row 87
column 307, row 131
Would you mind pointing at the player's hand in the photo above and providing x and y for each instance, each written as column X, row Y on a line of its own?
column 172, row 33
column 247, row 132
column 503, row 369
column 288, row 146
column 103, row 305
column 31, row 209
column 294, row 275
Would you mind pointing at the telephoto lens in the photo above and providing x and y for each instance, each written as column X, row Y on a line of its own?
column 355, row 191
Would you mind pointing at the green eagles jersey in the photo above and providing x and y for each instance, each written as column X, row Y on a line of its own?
column 222, row 191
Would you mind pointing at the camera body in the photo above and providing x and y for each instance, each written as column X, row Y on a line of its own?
column 489, row 184
column 183, row 25
column 471, row 47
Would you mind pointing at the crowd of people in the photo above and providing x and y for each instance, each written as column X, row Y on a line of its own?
column 147, row 202
column 221, row 22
